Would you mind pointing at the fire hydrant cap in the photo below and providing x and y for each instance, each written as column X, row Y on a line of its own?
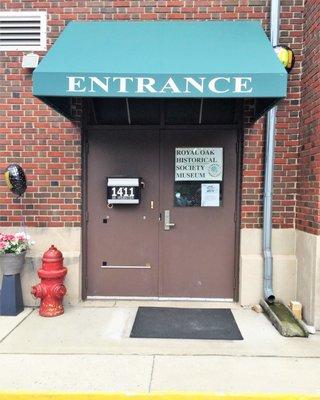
column 52, row 254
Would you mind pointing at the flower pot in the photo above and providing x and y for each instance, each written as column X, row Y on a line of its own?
column 12, row 264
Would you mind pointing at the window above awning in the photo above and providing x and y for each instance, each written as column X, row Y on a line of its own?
column 161, row 59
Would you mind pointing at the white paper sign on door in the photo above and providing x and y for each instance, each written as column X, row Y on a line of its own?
column 210, row 194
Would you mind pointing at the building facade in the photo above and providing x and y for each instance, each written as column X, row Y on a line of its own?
column 51, row 149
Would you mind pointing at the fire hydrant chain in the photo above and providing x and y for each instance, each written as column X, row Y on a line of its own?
column 51, row 290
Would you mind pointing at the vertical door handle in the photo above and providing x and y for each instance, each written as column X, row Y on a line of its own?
column 167, row 223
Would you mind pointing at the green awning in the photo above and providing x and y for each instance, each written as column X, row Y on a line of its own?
column 161, row 59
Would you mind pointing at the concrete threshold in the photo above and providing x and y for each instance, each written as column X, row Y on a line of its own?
column 133, row 303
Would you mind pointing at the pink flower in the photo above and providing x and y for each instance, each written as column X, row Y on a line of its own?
column 8, row 238
column 20, row 236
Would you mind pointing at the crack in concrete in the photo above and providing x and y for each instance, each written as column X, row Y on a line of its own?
column 16, row 326
column 151, row 375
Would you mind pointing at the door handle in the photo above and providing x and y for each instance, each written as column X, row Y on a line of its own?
column 167, row 223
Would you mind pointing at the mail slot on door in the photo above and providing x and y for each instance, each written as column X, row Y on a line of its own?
column 123, row 190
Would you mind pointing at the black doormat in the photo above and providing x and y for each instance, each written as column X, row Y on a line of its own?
column 185, row 323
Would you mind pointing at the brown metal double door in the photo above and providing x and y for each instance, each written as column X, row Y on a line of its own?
column 129, row 251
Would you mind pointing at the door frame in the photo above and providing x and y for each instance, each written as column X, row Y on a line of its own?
column 85, row 131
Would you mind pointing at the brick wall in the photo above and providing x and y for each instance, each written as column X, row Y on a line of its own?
column 48, row 146
column 308, row 197
column 287, row 138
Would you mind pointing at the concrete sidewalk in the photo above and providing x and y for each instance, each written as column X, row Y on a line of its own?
column 89, row 349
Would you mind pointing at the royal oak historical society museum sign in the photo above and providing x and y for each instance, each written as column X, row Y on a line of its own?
column 199, row 164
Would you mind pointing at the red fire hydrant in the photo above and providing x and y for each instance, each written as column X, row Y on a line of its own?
column 51, row 289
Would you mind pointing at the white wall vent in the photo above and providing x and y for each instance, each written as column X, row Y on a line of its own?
column 25, row 30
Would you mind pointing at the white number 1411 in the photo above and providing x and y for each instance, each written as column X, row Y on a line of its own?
column 122, row 192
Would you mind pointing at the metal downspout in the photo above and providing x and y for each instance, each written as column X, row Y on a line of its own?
column 269, row 169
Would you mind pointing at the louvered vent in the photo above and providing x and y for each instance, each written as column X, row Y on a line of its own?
column 23, row 30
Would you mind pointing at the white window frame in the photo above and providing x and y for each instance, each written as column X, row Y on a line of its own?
column 43, row 29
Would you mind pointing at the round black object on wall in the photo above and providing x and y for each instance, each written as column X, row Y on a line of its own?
column 16, row 179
